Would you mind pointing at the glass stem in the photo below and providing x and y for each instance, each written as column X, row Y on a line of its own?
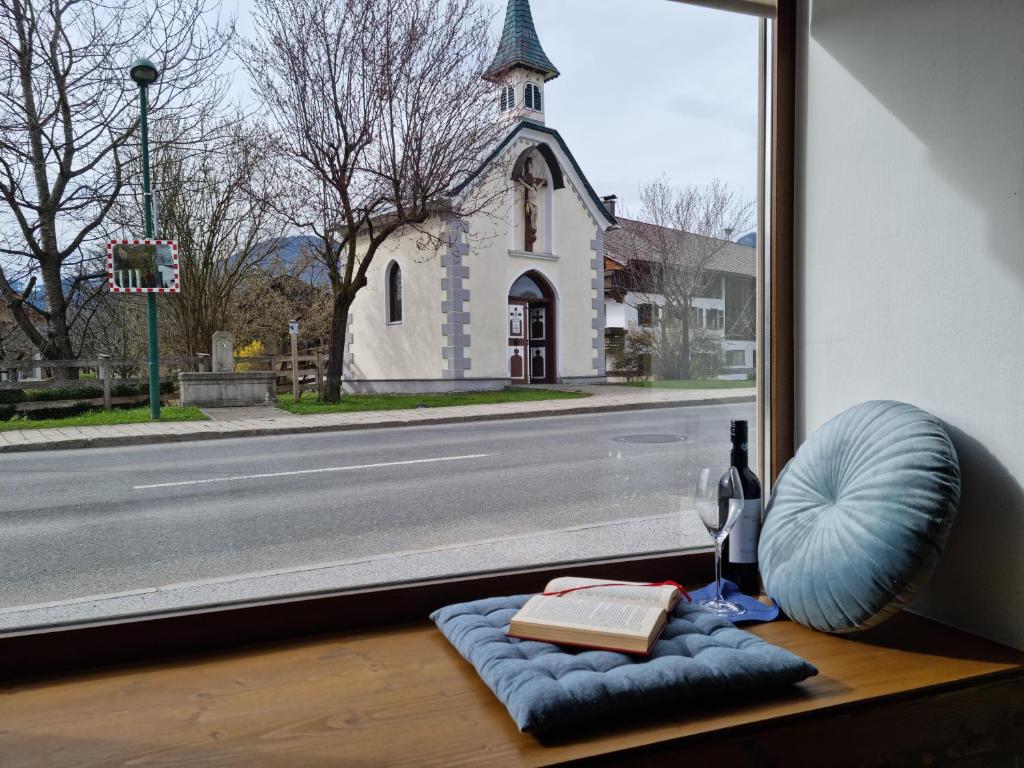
column 718, row 570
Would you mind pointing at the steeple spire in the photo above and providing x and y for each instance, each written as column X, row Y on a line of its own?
column 520, row 46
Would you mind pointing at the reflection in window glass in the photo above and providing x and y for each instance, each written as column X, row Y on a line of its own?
column 430, row 286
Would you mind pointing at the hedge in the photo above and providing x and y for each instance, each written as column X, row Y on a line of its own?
column 79, row 392
column 12, row 395
column 7, row 412
column 58, row 412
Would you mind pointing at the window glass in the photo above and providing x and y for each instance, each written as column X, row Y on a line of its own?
column 411, row 452
column 526, row 288
column 394, row 293
column 533, row 97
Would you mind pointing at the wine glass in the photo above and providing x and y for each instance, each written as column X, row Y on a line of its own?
column 719, row 502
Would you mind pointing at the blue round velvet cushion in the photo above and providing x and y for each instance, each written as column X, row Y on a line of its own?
column 859, row 516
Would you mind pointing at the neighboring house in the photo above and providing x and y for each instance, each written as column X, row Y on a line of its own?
column 725, row 308
column 517, row 295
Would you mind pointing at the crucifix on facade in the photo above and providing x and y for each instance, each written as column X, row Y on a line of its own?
column 531, row 186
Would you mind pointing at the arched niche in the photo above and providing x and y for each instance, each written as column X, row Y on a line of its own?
column 547, row 155
column 537, row 175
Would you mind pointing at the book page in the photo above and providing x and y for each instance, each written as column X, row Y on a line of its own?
column 615, row 616
column 664, row 597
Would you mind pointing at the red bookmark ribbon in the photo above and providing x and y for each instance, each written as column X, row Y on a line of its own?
column 680, row 587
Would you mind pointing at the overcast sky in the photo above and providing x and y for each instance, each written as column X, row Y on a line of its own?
column 652, row 87
column 648, row 87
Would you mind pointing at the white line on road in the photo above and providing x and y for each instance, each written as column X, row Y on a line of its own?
column 314, row 471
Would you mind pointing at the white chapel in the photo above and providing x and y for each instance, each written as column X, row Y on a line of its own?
column 523, row 304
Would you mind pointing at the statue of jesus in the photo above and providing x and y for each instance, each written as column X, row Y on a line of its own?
column 531, row 185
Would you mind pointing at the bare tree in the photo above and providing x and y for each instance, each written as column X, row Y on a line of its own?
column 68, row 120
column 381, row 106
column 216, row 201
column 671, row 257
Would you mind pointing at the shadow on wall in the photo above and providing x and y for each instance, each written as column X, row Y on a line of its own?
column 950, row 72
column 988, row 533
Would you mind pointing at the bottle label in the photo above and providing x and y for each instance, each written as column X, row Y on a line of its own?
column 746, row 533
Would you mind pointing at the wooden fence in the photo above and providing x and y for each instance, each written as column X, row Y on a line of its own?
column 109, row 373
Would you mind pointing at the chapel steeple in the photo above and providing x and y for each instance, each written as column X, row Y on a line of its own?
column 520, row 67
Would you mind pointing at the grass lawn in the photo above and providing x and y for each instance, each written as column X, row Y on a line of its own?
column 693, row 384
column 350, row 403
column 97, row 418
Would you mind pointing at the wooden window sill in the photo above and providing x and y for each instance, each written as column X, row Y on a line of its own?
column 403, row 696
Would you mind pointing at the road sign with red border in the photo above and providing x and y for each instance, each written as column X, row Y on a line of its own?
column 140, row 265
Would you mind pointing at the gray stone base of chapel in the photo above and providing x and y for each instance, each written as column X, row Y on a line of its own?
column 212, row 390
column 421, row 386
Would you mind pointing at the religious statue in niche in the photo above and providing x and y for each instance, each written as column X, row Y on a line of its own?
column 531, row 187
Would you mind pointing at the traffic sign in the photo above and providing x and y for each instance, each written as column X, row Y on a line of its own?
column 141, row 265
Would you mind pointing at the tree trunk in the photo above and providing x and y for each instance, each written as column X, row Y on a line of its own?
column 684, row 347
column 58, row 345
column 336, row 348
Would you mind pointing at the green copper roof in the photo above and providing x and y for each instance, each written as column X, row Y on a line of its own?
column 520, row 45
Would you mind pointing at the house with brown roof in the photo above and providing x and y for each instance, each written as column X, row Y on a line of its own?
column 651, row 271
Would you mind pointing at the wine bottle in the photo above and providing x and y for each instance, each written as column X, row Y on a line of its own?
column 739, row 563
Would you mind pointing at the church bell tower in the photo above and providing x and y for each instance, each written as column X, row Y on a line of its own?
column 520, row 67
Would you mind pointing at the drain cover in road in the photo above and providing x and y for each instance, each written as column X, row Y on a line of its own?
column 649, row 439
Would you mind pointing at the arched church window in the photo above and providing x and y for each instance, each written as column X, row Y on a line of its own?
column 508, row 97
column 394, row 290
column 526, row 288
column 532, row 96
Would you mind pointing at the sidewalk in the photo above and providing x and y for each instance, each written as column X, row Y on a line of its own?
column 276, row 422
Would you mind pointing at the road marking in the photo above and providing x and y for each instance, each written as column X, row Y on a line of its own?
column 313, row 471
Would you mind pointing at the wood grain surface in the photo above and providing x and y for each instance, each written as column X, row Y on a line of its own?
column 404, row 697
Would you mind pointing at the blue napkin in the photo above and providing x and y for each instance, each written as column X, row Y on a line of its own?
column 756, row 610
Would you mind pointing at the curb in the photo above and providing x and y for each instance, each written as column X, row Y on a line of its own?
column 111, row 441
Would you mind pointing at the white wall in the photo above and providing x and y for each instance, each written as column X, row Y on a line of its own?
column 494, row 266
column 410, row 349
column 910, row 256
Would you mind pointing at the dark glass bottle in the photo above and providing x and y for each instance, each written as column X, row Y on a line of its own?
column 739, row 561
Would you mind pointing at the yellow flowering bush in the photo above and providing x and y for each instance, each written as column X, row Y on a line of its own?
column 252, row 349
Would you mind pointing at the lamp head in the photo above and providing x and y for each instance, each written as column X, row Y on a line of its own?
column 143, row 72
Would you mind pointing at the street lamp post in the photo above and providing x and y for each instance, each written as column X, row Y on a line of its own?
column 144, row 72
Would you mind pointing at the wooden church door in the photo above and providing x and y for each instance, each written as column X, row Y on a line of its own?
column 539, row 342
column 518, row 311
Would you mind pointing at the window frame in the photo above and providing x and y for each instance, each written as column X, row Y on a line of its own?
column 537, row 102
column 56, row 649
column 507, row 98
column 389, row 317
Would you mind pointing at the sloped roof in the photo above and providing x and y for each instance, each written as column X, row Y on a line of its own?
column 520, row 45
column 640, row 240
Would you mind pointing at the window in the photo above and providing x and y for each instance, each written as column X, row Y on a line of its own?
column 715, row 319
column 508, row 98
column 647, row 314
column 735, row 357
column 394, row 292
column 526, row 288
column 413, row 489
column 533, row 97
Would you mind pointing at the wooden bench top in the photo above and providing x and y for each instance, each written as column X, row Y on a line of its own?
column 403, row 696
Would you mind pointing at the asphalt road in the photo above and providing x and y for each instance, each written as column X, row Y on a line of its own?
column 83, row 522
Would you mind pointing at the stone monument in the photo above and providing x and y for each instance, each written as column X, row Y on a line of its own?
column 224, row 386
column 223, row 352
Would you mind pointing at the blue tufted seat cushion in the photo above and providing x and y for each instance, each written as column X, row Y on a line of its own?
column 859, row 517
column 546, row 686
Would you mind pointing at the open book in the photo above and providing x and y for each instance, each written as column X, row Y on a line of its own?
column 622, row 616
